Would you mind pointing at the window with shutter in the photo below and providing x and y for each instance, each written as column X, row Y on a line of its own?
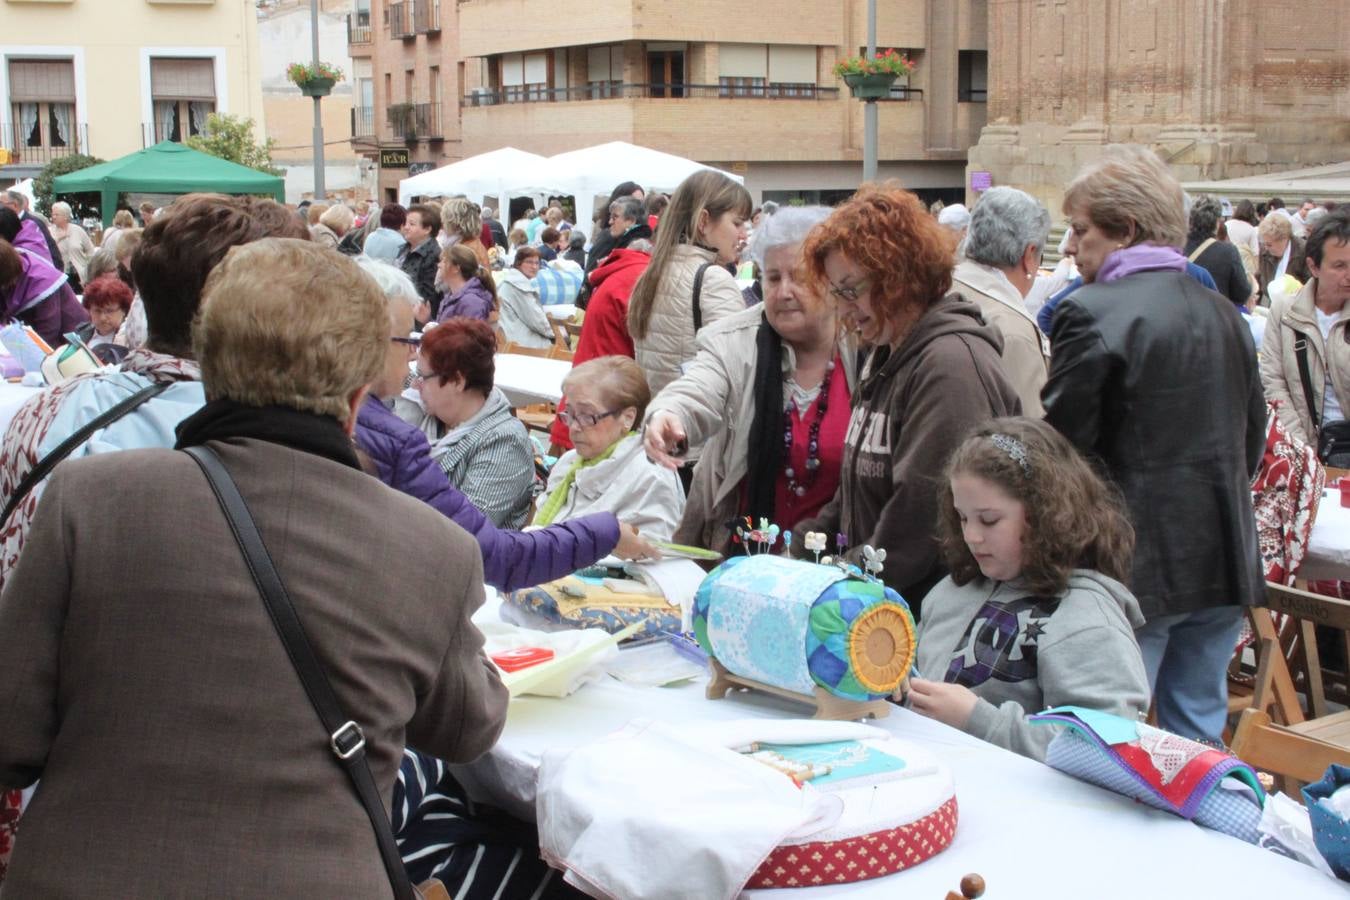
column 183, row 94
column 42, row 98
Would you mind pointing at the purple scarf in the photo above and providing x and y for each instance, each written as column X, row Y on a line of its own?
column 39, row 280
column 1140, row 258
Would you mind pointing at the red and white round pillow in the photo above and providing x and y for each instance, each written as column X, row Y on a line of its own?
column 886, row 825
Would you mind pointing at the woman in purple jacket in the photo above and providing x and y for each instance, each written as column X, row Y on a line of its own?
column 470, row 290
column 401, row 454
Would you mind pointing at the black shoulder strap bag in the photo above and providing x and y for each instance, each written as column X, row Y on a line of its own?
column 698, row 295
column 67, row 447
column 345, row 738
column 1332, row 439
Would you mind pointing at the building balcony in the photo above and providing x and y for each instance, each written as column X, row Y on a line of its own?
column 616, row 91
column 400, row 16
column 363, row 123
column 412, row 122
column 427, row 16
column 23, row 147
column 487, row 27
column 358, row 27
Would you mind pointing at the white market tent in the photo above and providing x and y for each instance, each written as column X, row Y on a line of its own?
column 594, row 171
column 499, row 173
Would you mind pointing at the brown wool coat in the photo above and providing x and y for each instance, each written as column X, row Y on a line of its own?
column 142, row 681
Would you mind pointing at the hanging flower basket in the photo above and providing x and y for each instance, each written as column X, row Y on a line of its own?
column 314, row 80
column 869, row 87
column 870, row 78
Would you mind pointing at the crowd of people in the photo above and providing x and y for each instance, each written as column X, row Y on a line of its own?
column 1058, row 466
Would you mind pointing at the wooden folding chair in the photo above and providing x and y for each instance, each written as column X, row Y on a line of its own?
column 522, row 350
column 1292, row 753
column 1287, row 656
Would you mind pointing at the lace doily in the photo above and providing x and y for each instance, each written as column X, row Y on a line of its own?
column 1168, row 753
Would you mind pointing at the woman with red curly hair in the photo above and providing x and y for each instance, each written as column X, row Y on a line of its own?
column 933, row 373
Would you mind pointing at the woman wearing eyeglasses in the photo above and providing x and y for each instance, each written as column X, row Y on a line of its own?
column 607, row 470
column 522, row 318
column 482, row 448
column 933, row 373
column 767, row 397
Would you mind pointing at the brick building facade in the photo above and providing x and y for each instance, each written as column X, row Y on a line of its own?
column 1220, row 88
column 747, row 87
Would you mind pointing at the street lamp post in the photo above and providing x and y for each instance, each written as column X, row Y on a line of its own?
column 870, row 107
column 319, row 192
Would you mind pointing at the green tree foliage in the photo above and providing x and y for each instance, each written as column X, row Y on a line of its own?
column 230, row 137
column 83, row 205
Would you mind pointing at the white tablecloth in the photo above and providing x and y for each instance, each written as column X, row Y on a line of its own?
column 12, row 396
column 1329, row 547
column 1030, row 831
column 530, row 379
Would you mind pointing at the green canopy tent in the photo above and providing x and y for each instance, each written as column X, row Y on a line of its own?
column 167, row 168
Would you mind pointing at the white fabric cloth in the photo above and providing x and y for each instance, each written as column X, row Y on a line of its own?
column 628, row 484
column 1284, row 261
column 1009, row 804
column 595, row 807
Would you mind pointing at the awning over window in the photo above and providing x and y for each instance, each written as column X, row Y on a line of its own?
column 41, row 80
column 183, row 79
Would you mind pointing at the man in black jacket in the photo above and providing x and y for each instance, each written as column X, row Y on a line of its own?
column 424, row 253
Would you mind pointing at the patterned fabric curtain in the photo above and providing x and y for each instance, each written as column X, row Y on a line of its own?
column 166, row 117
column 29, row 133
column 198, row 110
column 61, row 125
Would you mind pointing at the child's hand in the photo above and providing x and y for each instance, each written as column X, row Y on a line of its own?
column 950, row 704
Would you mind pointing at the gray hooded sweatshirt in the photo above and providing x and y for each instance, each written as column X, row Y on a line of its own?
column 1021, row 653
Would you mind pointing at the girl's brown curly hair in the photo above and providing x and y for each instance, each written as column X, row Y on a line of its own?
column 888, row 232
column 1075, row 520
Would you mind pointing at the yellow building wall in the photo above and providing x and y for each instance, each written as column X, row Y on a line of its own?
column 111, row 42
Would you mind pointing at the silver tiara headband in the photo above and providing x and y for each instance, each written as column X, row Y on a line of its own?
column 1016, row 450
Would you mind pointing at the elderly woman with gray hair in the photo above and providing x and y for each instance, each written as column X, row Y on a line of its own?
column 1207, row 246
column 76, row 246
column 1004, row 241
column 782, row 373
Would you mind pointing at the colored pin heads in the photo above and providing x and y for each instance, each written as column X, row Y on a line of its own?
column 815, row 543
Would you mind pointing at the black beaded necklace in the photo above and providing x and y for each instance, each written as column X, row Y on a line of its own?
column 799, row 488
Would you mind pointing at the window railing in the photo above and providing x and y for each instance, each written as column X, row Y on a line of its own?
column 358, row 27
column 25, row 149
column 609, row 90
column 363, row 122
column 427, row 16
column 401, row 20
column 415, row 121
column 972, row 95
column 904, row 92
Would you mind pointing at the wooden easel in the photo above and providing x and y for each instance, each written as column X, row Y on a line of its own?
column 827, row 705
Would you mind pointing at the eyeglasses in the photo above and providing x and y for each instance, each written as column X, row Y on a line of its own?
column 848, row 292
column 585, row 420
column 419, row 375
column 407, row 341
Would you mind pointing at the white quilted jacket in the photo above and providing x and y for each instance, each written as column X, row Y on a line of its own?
column 670, row 334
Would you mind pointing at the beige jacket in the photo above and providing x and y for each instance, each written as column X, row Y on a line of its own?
column 670, row 334
column 715, row 402
column 1026, row 352
column 144, row 683
column 1293, row 319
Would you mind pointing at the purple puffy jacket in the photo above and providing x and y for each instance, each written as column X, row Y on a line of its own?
column 511, row 559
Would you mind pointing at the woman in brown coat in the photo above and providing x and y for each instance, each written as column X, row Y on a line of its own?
column 147, row 687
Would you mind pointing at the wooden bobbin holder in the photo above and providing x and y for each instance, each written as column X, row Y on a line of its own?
column 826, row 705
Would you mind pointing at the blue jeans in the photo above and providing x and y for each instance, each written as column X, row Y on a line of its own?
column 1186, row 658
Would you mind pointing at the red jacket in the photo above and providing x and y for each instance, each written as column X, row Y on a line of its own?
column 604, row 332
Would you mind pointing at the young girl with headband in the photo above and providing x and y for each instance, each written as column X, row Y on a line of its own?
column 1034, row 613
